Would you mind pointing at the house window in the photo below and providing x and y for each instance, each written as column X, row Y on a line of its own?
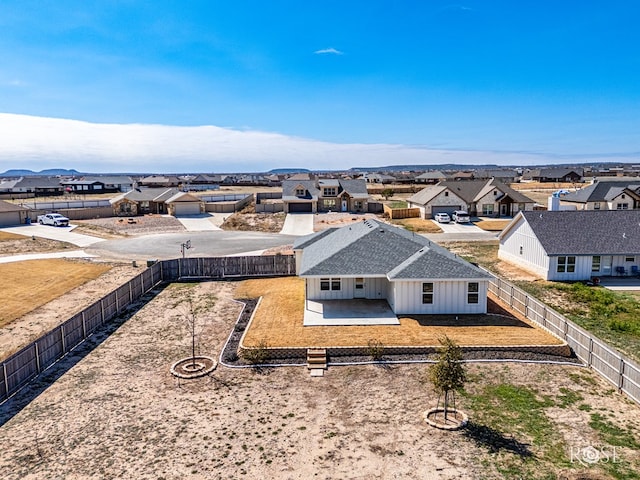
column 472, row 292
column 329, row 192
column 446, row 194
column 324, row 283
column 358, row 204
column 329, row 203
column 622, row 206
column 520, row 249
column 630, row 259
column 566, row 264
column 335, row 284
column 595, row 263
column 427, row 293
column 299, row 192
column 596, row 206
column 487, row 209
column 495, row 192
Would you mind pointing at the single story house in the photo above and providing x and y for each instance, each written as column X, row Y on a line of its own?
column 38, row 186
column 489, row 198
column 325, row 195
column 378, row 178
column 183, row 203
column 431, row 177
column 557, row 174
column 573, row 245
column 12, row 214
column 140, row 201
column 606, row 195
column 159, row 181
column 374, row 260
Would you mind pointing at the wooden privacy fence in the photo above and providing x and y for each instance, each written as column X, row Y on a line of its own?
column 17, row 370
column 615, row 367
column 397, row 213
column 22, row 367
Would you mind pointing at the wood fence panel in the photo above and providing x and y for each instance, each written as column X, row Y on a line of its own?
column 50, row 348
column 73, row 332
column 123, row 297
column 92, row 318
column 109, row 306
column 20, row 368
column 3, row 384
column 631, row 381
column 606, row 362
column 136, row 287
column 580, row 341
column 170, row 270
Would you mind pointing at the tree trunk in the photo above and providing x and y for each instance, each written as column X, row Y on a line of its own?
column 446, row 405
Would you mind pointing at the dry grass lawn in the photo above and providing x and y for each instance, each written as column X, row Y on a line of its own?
column 418, row 225
column 28, row 285
column 4, row 236
column 278, row 321
column 492, row 225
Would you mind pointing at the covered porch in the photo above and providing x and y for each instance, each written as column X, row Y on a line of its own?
column 348, row 312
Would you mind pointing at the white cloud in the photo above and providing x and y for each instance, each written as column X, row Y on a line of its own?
column 38, row 142
column 328, row 51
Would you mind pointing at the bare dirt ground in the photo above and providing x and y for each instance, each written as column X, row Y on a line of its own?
column 248, row 220
column 12, row 244
column 27, row 328
column 113, row 227
column 119, row 413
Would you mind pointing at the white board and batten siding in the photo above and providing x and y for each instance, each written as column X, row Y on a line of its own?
column 449, row 297
column 521, row 247
column 374, row 288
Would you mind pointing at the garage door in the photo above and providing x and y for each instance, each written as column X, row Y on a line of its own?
column 187, row 208
column 444, row 209
column 9, row 218
column 299, row 208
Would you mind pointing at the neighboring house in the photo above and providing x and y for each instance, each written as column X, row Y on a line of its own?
column 98, row 184
column 606, row 195
column 573, row 245
column 431, row 177
column 203, row 182
column 374, row 260
column 489, row 198
column 11, row 214
column 378, row 178
column 462, row 176
column 183, row 203
column 141, row 201
column 325, row 195
column 558, row 175
column 38, row 186
column 158, row 181
column 502, row 175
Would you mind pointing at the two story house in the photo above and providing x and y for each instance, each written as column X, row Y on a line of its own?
column 325, row 195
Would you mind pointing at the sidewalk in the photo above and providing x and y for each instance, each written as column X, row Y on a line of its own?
column 43, row 256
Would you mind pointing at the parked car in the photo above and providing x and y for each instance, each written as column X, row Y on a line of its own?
column 460, row 216
column 442, row 218
column 54, row 219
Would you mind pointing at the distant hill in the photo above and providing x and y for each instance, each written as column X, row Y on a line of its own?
column 287, row 171
column 51, row 172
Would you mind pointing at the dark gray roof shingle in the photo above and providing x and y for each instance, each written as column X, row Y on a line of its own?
column 371, row 248
column 587, row 232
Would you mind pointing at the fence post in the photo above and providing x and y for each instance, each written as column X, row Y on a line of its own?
column 102, row 311
column 6, row 380
column 62, row 335
column 511, row 297
column 621, row 377
column 142, row 283
column 526, row 306
column 130, row 293
column 590, row 356
column 84, row 327
column 35, row 345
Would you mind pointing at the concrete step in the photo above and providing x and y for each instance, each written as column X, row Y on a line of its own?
column 317, row 358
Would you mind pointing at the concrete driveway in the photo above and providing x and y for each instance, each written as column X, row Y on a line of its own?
column 62, row 234
column 199, row 223
column 298, row 224
column 459, row 228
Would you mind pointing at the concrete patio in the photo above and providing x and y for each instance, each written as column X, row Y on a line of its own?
column 621, row 283
column 348, row 312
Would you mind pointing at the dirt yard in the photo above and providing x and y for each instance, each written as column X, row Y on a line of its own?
column 13, row 244
column 44, row 293
column 118, row 413
column 114, row 227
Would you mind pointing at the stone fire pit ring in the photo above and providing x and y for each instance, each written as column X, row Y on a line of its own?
column 193, row 367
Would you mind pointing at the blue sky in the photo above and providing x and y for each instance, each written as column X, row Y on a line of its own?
column 552, row 81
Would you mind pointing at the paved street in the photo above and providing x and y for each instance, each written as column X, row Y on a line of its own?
column 167, row 245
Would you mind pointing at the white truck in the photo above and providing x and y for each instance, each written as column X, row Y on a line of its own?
column 54, row 219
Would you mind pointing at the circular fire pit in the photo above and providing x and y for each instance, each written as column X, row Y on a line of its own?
column 193, row 367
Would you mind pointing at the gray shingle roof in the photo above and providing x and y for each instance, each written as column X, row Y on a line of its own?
column 600, row 191
column 371, row 248
column 587, row 232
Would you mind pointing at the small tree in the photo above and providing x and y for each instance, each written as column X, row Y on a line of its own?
column 387, row 193
column 190, row 309
column 449, row 374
